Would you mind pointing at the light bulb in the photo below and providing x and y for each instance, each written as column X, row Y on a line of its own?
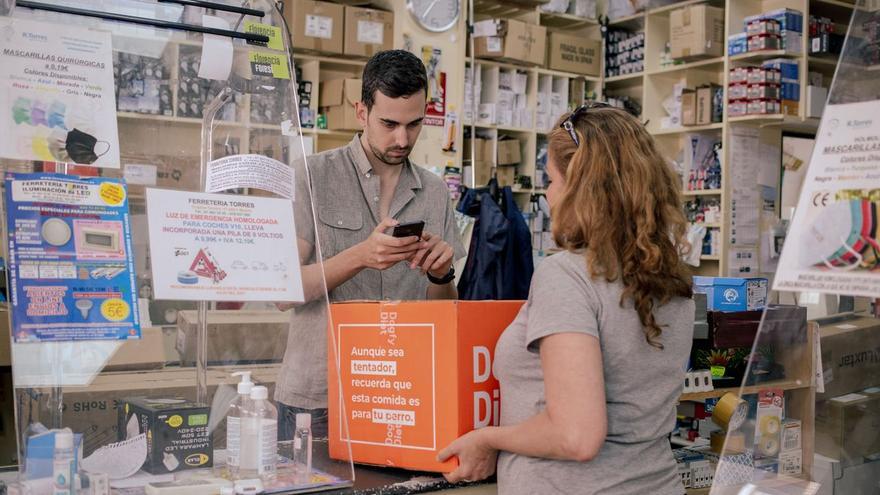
column 84, row 306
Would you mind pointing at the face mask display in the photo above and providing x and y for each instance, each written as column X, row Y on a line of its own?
column 56, row 115
column 21, row 111
column 58, row 145
column 849, row 228
column 38, row 114
column 81, row 147
column 40, row 147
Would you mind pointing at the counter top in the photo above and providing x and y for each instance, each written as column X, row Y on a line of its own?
column 388, row 481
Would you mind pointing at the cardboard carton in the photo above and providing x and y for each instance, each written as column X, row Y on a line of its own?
column 575, row 54
column 705, row 96
column 847, row 426
column 414, row 375
column 688, row 107
column 850, row 356
column 338, row 97
column 732, row 293
column 315, row 26
column 509, row 152
column 368, row 31
column 235, row 336
column 482, row 149
column 511, row 40
column 696, row 31
column 506, row 176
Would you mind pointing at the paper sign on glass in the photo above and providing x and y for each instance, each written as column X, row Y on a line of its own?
column 58, row 102
column 217, row 247
column 832, row 245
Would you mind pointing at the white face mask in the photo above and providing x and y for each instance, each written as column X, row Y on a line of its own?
column 831, row 229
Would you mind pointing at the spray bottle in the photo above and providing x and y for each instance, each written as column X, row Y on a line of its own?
column 233, row 422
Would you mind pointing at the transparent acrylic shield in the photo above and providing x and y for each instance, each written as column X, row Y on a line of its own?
column 807, row 417
column 202, row 100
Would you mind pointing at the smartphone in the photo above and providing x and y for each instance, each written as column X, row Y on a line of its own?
column 409, row 229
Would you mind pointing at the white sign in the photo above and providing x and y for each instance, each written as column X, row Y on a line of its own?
column 136, row 173
column 319, row 26
column 251, row 171
column 832, row 245
column 370, row 32
column 58, row 100
column 217, row 247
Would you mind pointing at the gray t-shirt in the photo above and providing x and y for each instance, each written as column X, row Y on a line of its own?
column 642, row 383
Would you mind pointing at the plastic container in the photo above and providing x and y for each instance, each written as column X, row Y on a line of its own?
column 233, row 422
column 302, row 448
column 259, row 436
column 62, row 463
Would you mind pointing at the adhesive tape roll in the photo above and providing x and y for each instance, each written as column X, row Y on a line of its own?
column 769, row 446
column 770, row 425
column 730, row 412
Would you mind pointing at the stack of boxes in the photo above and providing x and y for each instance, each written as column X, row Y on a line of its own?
column 512, row 109
column 870, row 52
column 304, row 97
column 193, row 92
column 824, row 37
column 142, row 84
column 696, row 32
column 624, row 53
column 772, row 88
column 512, row 40
column 780, row 29
column 331, row 28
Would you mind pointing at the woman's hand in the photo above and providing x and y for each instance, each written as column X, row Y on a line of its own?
column 476, row 458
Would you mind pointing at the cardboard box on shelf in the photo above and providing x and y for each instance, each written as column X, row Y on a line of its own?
column 506, row 176
column 414, row 375
column 235, row 336
column 791, row 107
column 732, row 293
column 482, row 150
column 93, row 409
column 696, row 31
column 688, row 107
column 816, row 97
column 338, row 97
column 705, row 104
column 482, row 173
column 509, row 152
column 849, row 361
column 575, row 54
column 315, row 25
column 847, row 426
column 368, row 31
column 510, row 40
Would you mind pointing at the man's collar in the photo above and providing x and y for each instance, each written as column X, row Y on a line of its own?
column 364, row 167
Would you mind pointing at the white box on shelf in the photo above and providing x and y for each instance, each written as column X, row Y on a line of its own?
column 816, row 97
column 486, row 113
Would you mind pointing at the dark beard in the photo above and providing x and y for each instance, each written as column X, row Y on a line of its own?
column 387, row 160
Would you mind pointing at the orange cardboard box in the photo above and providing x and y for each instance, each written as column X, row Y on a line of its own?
column 414, row 376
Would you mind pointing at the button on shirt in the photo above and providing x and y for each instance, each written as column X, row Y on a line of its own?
column 345, row 195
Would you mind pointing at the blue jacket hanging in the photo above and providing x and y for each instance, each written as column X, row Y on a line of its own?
column 499, row 264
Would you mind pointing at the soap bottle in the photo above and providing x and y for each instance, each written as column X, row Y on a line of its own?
column 62, row 463
column 233, row 422
column 302, row 448
column 259, row 436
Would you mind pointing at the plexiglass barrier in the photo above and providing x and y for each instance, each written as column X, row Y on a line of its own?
column 807, row 417
column 161, row 248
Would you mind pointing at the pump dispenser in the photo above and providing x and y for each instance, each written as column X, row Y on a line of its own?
column 259, row 436
column 302, row 448
column 236, row 411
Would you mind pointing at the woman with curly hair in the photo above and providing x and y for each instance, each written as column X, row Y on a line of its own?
column 593, row 365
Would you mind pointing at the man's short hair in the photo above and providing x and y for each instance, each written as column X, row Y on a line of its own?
column 396, row 73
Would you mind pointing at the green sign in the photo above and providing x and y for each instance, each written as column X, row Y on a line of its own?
column 272, row 32
column 270, row 64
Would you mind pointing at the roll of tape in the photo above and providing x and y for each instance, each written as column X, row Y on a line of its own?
column 730, row 412
column 769, row 446
column 770, row 425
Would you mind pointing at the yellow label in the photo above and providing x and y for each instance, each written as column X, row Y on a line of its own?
column 196, row 460
column 718, row 371
column 175, row 421
column 115, row 309
column 113, row 194
column 272, row 32
column 269, row 64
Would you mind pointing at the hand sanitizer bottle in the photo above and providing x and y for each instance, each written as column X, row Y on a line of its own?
column 302, row 448
column 62, row 463
column 259, row 436
column 233, row 423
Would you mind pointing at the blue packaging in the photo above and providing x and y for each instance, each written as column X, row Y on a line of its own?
column 737, row 44
column 791, row 20
column 791, row 91
column 732, row 294
column 788, row 68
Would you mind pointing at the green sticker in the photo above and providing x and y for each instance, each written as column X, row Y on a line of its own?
column 718, row 371
column 269, row 64
column 272, row 32
column 197, row 420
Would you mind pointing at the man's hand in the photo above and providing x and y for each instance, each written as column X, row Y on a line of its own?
column 434, row 256
column 381, row 251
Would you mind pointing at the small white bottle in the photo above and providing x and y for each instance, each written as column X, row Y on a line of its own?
column 302, row 448
column 62, row 463
column 233, row 422
column 259, row 436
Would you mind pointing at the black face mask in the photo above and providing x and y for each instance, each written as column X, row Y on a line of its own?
column 81, row 147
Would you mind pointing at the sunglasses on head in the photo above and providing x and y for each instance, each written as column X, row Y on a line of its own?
column 568, row 124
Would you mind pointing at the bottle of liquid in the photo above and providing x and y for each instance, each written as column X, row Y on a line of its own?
column 233, row 422
column 62, row 463
column 259, row 436
column 302, row 448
